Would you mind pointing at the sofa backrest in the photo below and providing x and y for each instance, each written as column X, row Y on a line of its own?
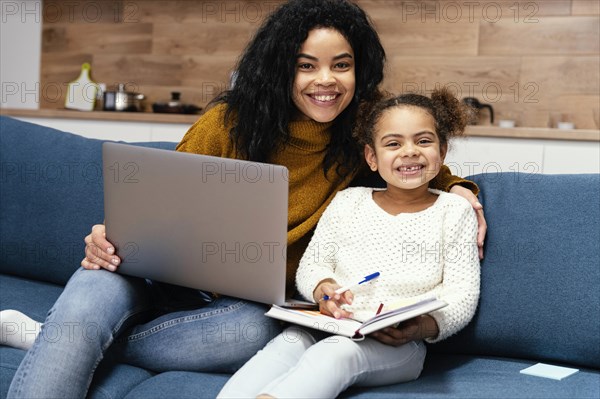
column 540, row 286
column 540, row 290
column 50, row 196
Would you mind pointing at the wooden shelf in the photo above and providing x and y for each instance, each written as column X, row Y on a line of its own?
column 474, row 131
column 534, row 133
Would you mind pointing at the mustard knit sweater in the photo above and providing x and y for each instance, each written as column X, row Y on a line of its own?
column 309, row 190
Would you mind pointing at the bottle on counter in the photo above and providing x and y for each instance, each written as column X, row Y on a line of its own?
column 81, row 93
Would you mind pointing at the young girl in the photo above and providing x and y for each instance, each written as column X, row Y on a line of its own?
column 422, row 241
column 299, row 86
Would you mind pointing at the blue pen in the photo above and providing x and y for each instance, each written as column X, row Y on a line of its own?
column 349, row 286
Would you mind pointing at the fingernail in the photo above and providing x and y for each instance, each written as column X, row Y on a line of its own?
column 115, row 261
column 110, row 250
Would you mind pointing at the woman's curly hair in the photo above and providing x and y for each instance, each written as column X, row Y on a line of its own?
column 260, row 105
column 450, row 115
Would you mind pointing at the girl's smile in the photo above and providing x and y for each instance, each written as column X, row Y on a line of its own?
column 324, row 83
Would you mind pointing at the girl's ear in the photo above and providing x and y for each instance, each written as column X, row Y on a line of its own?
column 443, row 151
column 370, row 157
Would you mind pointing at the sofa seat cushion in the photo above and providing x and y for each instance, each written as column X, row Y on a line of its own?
column 111, row 381
column 180, row 385
column 457, row 376
column 34, row 298
column 444, row 376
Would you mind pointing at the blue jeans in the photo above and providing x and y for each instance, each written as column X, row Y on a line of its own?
column 99, row 313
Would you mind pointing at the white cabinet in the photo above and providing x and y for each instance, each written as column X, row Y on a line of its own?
column 473, row 155
column 116, row 130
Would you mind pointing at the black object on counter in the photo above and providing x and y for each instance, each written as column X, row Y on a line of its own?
column 475, row 104
column 175, row 106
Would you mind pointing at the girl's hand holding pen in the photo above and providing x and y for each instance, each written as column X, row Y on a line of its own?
column 332, row 307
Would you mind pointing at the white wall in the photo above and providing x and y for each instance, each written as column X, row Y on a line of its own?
column 20, row 53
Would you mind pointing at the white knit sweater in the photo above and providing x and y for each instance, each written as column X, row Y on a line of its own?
column 428, row 253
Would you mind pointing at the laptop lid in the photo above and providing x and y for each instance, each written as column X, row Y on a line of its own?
column 198, row 221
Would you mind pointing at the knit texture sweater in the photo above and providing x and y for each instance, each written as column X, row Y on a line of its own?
column 310, row 191
column 428, row 253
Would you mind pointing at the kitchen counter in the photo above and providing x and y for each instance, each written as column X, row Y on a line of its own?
column 534, row 133
column 100, row 115
column 149, row 117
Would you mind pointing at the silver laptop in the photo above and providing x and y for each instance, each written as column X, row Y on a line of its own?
column 198, row 221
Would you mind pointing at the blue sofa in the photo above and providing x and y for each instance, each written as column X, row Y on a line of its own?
column 540, row 290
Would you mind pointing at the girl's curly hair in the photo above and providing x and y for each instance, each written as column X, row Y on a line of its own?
column 450, row 115
column 260, row 105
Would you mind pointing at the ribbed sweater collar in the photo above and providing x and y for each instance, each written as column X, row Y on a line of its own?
column 310, row 135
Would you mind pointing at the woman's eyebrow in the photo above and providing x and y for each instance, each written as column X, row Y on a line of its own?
column 312, row 57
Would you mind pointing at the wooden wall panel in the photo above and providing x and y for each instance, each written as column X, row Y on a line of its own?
column 214, row 71
column 139, row 70
column 493, row 80
column 416, row 37
column 531, row 59
column 450, row 10
column 86, row 11
column 583, row 109
column 562, row 74
column 98, row 38
column 468, row 72
column 186, row 11
column 551, row 35
column 586, row 7
column 206, row 38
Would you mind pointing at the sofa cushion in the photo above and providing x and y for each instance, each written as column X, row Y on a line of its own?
column 51, row 196
column 34, row 298
column 444, row 376
column 116, row 380
column 541, row 272
column 456, row 376
column 110, row 381
column 180, row 385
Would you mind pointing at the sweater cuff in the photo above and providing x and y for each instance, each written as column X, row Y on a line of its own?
column 445, row 180
column 442, row 331
column 308, row 286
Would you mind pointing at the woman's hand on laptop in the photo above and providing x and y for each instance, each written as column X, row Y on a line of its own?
column 99, row 252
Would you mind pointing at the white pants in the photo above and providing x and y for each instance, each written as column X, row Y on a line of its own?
column 296, row 365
